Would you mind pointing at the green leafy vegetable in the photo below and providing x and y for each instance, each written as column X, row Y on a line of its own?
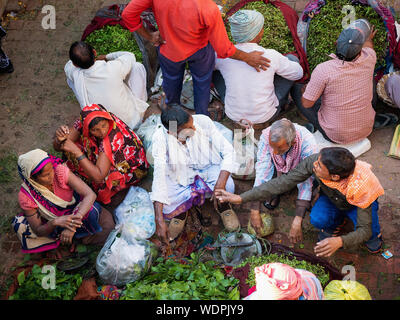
column 277, row 34
column 257, row 261
column 112, row 39
column 326, row 27
column 30, row 287
column 171, row 280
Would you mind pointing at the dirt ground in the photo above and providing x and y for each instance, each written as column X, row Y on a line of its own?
column 35, row 100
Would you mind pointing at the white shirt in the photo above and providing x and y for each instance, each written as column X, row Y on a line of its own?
column 197, row 166
column 250, row 94
column 105, row 83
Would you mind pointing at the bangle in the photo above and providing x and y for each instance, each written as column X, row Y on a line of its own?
column 83, row 156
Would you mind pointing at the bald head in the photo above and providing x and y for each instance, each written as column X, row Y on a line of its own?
column 82, row 54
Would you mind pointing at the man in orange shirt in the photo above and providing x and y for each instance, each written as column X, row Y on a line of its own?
column 190, row 31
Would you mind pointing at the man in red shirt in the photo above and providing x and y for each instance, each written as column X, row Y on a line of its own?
column 190, row 31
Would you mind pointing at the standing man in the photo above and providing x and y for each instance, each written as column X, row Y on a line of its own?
column 190, row 31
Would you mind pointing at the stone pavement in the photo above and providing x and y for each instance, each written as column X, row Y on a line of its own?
column 35, row 100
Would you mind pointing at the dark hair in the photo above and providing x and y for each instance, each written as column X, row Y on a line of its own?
column 37, row 174
column 338, row 161
column 174, row 112
column 95, row 121
column 82, row 55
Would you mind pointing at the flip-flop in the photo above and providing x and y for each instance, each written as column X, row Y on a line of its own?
column 383, row 120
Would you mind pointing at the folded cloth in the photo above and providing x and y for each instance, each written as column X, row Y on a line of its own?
column 246, row 25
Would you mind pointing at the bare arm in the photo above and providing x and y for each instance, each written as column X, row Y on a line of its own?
column 88, row 196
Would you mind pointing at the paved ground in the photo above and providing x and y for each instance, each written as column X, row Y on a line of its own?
column 35, row 100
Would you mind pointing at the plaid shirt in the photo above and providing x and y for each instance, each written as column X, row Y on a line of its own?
column 346, row 112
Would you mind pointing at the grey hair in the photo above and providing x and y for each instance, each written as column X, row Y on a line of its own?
column 282, row 129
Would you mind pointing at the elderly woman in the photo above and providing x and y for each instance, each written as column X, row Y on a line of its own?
column 58, row 207
column 282, row 146
column 191, row 159
column 103, row 150
column 278, row 281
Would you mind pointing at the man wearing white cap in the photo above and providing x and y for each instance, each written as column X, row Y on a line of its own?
column 248, row 94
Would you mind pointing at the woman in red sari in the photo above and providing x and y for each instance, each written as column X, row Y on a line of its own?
column 104, row 151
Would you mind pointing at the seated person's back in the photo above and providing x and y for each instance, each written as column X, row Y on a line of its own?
column 250, row 94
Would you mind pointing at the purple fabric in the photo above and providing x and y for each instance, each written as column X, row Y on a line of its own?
column 199, row 191
column 312, row 7
column 392, row 88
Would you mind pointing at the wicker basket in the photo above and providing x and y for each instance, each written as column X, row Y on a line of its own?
column 380, row 89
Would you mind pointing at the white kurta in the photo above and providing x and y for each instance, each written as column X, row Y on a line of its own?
column 118, row 84
column 167, row 176
column 250, row 94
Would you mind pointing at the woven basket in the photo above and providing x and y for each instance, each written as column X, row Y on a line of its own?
column 380, row 89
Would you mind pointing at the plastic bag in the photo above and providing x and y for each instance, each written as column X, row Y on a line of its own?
column 136, row 214
column 124, row 259
column 346, row 290
column 145, row 133
column 245, row 146
column 268, row 225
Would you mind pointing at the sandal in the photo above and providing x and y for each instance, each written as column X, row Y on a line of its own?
column 205, row 219
column 176, row 227
column 273, row 203
column 230, row 219
column 383, row 120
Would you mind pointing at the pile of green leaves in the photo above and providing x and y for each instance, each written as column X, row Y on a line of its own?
column 30, row 288
column 277, row 34
column 326, row 27
column 257, row 261
column 171, row 280
column 114, row 38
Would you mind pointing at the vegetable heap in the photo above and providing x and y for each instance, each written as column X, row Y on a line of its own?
column 112, row 39
column 30, row 288
column 257, row 261
column 326, row 27
column 277, row 34
column 171, row 280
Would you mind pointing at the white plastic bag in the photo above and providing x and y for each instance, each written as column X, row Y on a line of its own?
column 127, row 255
column 245, row 146
column 123, row 260
column 136, row 214
column 145, row 133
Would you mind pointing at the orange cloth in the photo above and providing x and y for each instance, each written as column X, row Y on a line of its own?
column 361, row 188
column 185, row 25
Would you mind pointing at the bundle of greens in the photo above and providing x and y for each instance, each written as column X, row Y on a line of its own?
column 114, row 38
column 326, row 27
column 257, row 261
column 277, row 34
column 195, row 280
column 31, row 287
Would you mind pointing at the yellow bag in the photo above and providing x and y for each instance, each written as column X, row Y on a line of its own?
column 268, row 226
column 346, row 290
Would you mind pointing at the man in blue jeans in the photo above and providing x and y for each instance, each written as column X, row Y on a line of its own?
column 348, row 188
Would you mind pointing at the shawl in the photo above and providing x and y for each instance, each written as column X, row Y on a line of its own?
column 361, row 188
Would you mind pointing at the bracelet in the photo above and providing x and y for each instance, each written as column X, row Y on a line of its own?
column 81, row 157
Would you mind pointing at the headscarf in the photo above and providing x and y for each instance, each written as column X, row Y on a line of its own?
column 119, row 144
column 50, row 205
column 361, row 188
column 246, row 25
column 392, row 88
column 278, row 281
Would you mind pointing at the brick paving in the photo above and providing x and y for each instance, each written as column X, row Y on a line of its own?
column 38, row 87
